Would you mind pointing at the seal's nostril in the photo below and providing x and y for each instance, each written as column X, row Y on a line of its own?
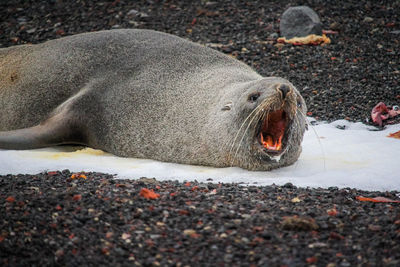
column 284, row 89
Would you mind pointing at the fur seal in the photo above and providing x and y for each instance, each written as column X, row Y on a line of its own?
column 146, row 94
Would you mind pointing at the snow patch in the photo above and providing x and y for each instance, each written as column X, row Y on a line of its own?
column 340, row 153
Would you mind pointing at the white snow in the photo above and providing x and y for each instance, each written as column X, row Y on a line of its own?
column 355, row 157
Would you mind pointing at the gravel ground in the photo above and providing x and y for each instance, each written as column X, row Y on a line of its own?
column 51, row 219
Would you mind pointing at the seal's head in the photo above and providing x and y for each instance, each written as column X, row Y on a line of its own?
column 271, row 116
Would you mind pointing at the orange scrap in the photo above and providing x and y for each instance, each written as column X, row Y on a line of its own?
column 149, row 194
column 311, row 39
column 395, row 135
column 78, row 175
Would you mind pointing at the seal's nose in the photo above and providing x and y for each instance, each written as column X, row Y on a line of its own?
column 284, row 90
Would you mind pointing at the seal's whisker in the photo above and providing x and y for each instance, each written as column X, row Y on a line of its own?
column 258, row 109
column 252, row 115
column 244, row 134
column 316, row 134
column 242, row 125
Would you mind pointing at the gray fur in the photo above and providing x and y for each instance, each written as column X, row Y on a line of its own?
column 136, row 93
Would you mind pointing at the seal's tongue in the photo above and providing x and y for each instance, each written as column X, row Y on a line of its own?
column 273, row 129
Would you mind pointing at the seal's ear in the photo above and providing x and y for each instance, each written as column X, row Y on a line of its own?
column 227, row 106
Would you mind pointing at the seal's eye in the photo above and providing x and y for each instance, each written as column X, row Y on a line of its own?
column 253, row 97
column 395, row 108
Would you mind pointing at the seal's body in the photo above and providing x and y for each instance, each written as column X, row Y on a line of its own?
column 145, row 94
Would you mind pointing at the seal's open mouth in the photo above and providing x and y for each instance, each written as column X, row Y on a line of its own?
column 272, row 132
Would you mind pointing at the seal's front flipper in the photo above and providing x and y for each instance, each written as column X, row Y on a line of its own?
column 56, row 130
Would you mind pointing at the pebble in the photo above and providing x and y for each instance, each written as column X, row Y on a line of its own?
column 368, row 19
column 299, row 21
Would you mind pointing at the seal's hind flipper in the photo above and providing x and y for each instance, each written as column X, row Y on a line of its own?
column 56, row 130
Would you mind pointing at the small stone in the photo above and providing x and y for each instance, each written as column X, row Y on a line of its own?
column 345, row 263
column 317, row 245
column 189, row 232
column 30, row 31
column 296, row 200
column 59, row 253
column 273, row 35
column 368, row 19
column 299, row 21
column 223, row 235
column 288, row 185
column 334, row 26
column 125, row 236
column 245, row 240
column 299, row 224
column 132, row 12
column 374, row 227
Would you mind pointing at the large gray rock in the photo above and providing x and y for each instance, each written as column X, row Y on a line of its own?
column 300, row 21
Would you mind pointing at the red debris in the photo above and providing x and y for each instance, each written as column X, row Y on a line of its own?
column 77, row 197
column 329, row 32
column 10, row 199
column 381, row 113
column 311, row 260
column 149, row 242
column 334, row 235
column 60, row 32
column 332, row 212
column 109, row 235
column 183, row 212
column 105, row 250
column 149, row 194
column 195, row 235
column 377, row 199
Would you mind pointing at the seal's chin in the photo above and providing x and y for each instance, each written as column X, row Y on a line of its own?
column 271, row 136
